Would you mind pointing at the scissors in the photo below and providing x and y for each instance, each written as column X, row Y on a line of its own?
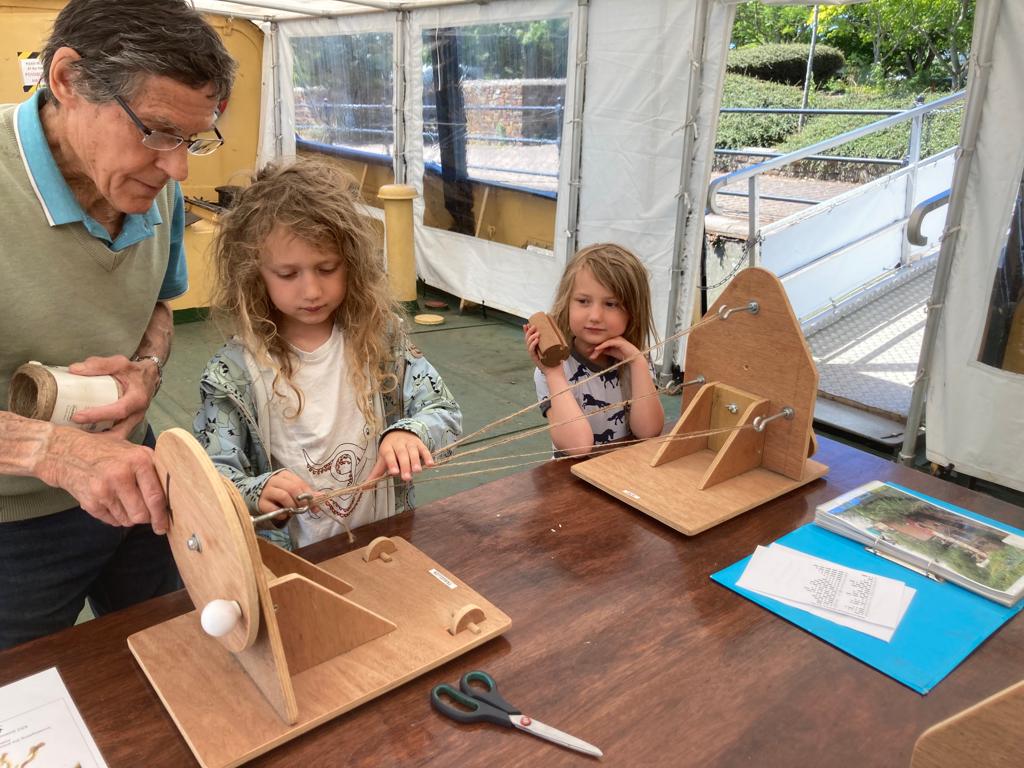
column 486, row 705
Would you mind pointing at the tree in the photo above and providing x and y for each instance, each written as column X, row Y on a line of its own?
column 911, row 39
column 758, row 24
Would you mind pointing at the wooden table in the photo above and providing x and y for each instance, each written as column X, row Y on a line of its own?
column 618, row 637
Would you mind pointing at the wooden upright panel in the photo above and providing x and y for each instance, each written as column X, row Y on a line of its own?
column 990, row 734
column 765, row 354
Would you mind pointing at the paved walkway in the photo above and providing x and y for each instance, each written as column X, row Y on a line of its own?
column 869, row 358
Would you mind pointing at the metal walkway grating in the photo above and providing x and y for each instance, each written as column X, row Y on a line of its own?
column 869, row 357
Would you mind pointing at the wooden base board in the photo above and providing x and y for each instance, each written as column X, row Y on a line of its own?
column 669, row 492
column 225, row 719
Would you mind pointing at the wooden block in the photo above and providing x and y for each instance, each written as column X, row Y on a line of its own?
column 468, row 617
column 552, row 348
column 380, row 548
column 722, row 417
column 741, row 452
column 986, row 734
column 670, row 494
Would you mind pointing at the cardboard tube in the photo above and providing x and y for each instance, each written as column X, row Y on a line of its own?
column 552, row 348
column 52, row 393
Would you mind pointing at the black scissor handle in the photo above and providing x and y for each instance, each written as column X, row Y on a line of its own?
column 488, row 692
column 478, row 711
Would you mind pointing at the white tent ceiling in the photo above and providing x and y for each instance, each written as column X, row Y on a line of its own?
column 279, row 10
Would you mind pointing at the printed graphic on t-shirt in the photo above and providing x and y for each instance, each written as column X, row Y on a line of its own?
column 342, row 468
column 597, row 397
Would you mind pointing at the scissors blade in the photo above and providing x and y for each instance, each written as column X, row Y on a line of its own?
column 537, row 728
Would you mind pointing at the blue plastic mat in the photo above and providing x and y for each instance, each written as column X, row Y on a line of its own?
column 940, row 629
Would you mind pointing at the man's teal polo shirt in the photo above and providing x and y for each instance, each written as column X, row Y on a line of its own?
column 61, row 207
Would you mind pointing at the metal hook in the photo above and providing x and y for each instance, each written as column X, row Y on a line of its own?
column 304, row 509
column 761, row 421
column 724, row 311
column 675, row 389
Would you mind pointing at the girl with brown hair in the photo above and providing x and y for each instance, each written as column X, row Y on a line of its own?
column 603, row 308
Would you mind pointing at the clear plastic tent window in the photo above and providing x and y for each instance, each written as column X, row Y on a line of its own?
column 493, row 112
column 343, row 87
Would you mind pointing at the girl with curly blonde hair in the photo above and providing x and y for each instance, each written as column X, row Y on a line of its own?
column 319, row 387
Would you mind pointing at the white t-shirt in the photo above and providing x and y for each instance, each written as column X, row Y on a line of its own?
column 329, row 444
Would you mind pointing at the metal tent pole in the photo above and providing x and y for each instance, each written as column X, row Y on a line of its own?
column 969, row 137
column 575, row 155
column 398, row 112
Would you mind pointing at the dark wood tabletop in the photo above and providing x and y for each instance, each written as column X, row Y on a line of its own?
column 618, row 637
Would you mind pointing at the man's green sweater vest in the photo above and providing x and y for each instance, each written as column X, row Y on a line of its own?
column 64, row 296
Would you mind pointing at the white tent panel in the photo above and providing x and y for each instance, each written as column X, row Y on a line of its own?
column 637, row 81
column 974, row 416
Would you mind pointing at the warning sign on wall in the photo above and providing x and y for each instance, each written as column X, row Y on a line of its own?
column 31, row 70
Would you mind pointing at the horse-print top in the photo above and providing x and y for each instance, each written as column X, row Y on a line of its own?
column 608, row 424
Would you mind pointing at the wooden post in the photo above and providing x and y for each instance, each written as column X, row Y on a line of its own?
column 397, row 200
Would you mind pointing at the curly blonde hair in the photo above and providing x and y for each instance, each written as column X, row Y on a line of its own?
column 315, row 202
column 622, row 273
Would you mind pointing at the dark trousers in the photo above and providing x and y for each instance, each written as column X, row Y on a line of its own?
column 50, row 565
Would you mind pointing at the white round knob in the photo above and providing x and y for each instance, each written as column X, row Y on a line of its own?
column 219, row 617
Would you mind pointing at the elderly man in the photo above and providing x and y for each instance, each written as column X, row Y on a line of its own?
column 91, row 226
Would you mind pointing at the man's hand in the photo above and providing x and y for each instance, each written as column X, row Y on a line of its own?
column 136, row 382
column 401, row 453
column 113, row 480
column 282, row 490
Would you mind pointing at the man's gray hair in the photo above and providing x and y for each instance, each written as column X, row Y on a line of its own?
column 122, row 41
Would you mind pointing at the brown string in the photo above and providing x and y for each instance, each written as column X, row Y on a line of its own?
column 527, row 409
column 449, row 459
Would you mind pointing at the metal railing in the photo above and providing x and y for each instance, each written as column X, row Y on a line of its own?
column 366, row 126
column 916, row 220
column 375, row 127
column 752, row 174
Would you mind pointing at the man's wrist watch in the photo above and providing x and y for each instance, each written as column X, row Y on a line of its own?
column 137, row 358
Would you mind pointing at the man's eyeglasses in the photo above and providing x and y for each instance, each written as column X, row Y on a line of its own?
column 164, row 142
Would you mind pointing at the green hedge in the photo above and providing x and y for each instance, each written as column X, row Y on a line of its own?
column 785, row 62
column 779, row 132
column 940, row 131
column 753, row 130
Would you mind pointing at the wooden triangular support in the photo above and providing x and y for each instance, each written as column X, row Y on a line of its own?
column 718, row 406
column 278, row 645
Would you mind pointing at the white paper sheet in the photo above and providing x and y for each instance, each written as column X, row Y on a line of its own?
column 40, row 726
column 862, row 601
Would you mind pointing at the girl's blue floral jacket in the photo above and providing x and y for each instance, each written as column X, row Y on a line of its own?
column 227, row 424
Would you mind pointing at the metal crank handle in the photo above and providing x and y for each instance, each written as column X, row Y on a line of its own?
column 306, row 497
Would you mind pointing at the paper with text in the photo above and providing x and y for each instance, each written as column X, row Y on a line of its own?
column 819, row 585
column 40, row 726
